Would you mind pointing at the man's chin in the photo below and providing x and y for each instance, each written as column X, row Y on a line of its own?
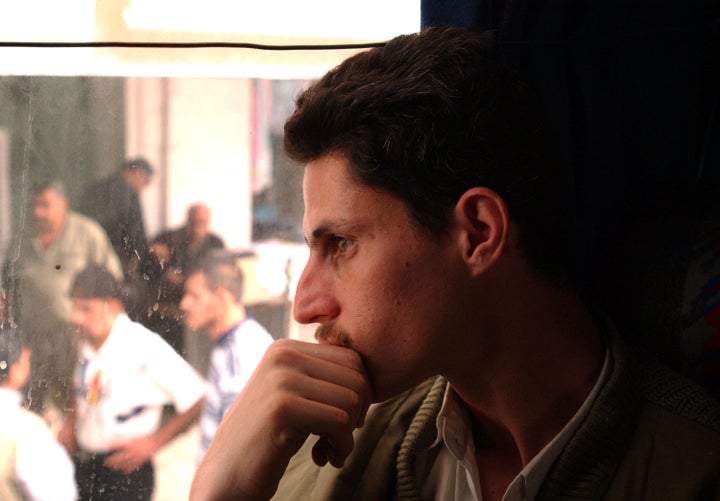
column 390, row 385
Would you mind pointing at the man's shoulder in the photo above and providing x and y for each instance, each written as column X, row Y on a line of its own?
column 252, row 330
column 370, row 472
column 26, row 422
column 133, row 331
column 674, row 449
column 84, row 223
column 674, row 394
column 652, row 434
column 215, row 241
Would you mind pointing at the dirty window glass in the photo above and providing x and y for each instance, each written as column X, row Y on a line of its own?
column 147, row 124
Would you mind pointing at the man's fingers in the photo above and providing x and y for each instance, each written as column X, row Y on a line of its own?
column 338, row 355
column 298, row 389
column 324, row 452
column 328, row 374
column 320, row 451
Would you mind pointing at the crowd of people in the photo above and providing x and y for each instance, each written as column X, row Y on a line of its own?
column 94, row 374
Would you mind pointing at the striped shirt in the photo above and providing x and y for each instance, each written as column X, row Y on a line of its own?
column 234, row 358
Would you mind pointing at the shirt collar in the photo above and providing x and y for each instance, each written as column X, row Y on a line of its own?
column 454, row 431
column 121, row 323
column 535, row 471
column 224, row 336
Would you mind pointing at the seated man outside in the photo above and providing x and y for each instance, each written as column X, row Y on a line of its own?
column 172, row 254
column 438, row 277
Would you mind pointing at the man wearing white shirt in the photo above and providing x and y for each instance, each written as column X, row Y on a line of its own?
column 213, row 303
column 33, row 465
column 125, row 376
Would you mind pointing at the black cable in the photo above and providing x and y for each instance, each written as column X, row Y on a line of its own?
column 191, row 45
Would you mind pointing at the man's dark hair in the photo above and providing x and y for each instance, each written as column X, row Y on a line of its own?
column 96, row 282
column 222, row 271
column 430, row 115
column 137, row 163
column 41, row 185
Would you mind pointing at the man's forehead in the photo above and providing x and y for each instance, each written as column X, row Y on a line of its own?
column 88, row 302
column 46, row 195
column 196, row 279
column 327, row 190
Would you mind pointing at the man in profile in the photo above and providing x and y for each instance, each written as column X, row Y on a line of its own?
column 455, row 357
column 213, row 303
column 41, row 263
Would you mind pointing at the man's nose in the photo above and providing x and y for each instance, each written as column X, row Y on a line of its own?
column 315, row 301
column 75, row 318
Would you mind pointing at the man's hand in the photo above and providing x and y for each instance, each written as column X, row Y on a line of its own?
column 161, row 252
column 66, row 435
column 131, row 455
column 298, row 389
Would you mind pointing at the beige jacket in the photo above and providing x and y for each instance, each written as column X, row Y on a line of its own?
column 650, row 435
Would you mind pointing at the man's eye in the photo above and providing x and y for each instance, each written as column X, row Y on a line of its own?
column 341, row 245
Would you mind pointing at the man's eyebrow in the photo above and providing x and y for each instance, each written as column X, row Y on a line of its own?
column 316, row 235
column 326, row 227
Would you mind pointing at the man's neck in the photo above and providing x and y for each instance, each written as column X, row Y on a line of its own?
column 234, row 317
column 47, row 237
column 541, row 369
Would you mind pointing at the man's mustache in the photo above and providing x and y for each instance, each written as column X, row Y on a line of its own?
column 338, row 337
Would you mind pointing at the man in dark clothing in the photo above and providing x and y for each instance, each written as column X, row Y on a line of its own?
column 114, row 202
column 172, row 254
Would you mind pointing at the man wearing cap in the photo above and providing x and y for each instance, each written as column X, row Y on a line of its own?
column 114, row 202
column 33, row 465
column 125, row 376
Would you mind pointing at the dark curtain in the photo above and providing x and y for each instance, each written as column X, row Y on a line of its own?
column 630, row 88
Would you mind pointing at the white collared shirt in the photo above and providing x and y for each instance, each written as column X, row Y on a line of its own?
column 122, row 387
column 43, row 468
column 454, row 474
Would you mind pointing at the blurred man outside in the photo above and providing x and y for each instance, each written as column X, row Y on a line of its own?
column 33, row 465
column 114, row 202
column 213, row 303
column 41, row 263
column 173, row 253
column 125, row 376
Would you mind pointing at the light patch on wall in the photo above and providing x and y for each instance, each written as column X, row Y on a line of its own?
column 342, row 19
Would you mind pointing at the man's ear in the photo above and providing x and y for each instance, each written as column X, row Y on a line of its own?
column 484, row 223
column 223, row 295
